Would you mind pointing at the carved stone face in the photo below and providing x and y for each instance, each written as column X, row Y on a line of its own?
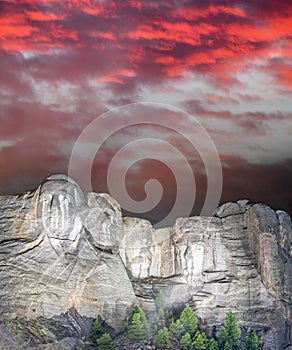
column 63, row 211
column 60, row 202
column 104, row 221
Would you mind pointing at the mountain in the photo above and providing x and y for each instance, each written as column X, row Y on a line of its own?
column 68, row 257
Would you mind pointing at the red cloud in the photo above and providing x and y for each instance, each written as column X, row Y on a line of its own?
column 106, row 53
column 43, row 16
column 213, row 38
column 193, row 12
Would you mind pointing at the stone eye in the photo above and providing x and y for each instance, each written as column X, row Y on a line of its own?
column 47, row 198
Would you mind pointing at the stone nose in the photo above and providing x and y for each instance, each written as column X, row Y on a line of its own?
column 55, row 203
column 54, row 219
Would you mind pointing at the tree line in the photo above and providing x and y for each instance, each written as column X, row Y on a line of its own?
column 183, row 331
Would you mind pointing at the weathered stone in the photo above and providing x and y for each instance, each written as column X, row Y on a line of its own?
column 54, row 257
column 228, row 209
column 216, row 265
column 64, row 344
column 65, row 331
column 243, row 202
column 104, row 221
column 285, row 231
column 62, row 250
column 265, row 219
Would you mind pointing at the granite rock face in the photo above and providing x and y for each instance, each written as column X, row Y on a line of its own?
column 231, row 262
column 63, row 250
column 56, row 253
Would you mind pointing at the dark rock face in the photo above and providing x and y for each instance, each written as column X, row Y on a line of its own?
column 66, row 258
column 62, row 330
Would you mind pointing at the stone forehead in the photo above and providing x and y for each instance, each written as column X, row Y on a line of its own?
column 59, row 181
column 58, row 186
column 61, row 177
column 55, row 184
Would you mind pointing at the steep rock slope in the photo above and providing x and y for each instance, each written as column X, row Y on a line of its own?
column 238, row 260
column 56, row 253
column 62, row 250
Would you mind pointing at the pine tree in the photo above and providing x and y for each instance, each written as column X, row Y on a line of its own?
column 228, row 346
column 105, row 342
column 160, row 301
column 213, row 345
column 176, row 328
column 252, row 341
column 189, row 320
column 134, row 310
column 200, row 341
column 229, row 335
column 168, row 315
column 186, row 342
column 138, row 327
column 162, row 339
column 96, row 330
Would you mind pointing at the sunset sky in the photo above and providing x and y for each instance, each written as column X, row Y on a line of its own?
column 227, row 63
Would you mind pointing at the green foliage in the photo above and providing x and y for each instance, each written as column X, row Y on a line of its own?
column 162, row 339
column 137, row 310
column 176, row 328
column 213, row 345
column 105, row 342
column 160, row 312
column 168, row 314
column 228, row 346
column 229, row 335
column 95, row 332
column 138, row 327
column 186, row 342
column 200, row 341
column 185, row 330
column 134, row 310
column 160, row 304
column 252, row 341
column 160, row 300
column 189, row 320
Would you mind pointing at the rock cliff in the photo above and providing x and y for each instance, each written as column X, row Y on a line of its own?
column 64, row 253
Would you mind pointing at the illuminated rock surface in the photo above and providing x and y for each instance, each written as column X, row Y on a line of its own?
column 67, row 257
column 56, row 249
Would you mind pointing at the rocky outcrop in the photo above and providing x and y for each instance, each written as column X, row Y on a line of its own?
column 232, row 261
column 63, row 331
column 56, row 253
column 64, row 250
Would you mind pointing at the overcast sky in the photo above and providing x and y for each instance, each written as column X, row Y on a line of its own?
column 225, row 63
